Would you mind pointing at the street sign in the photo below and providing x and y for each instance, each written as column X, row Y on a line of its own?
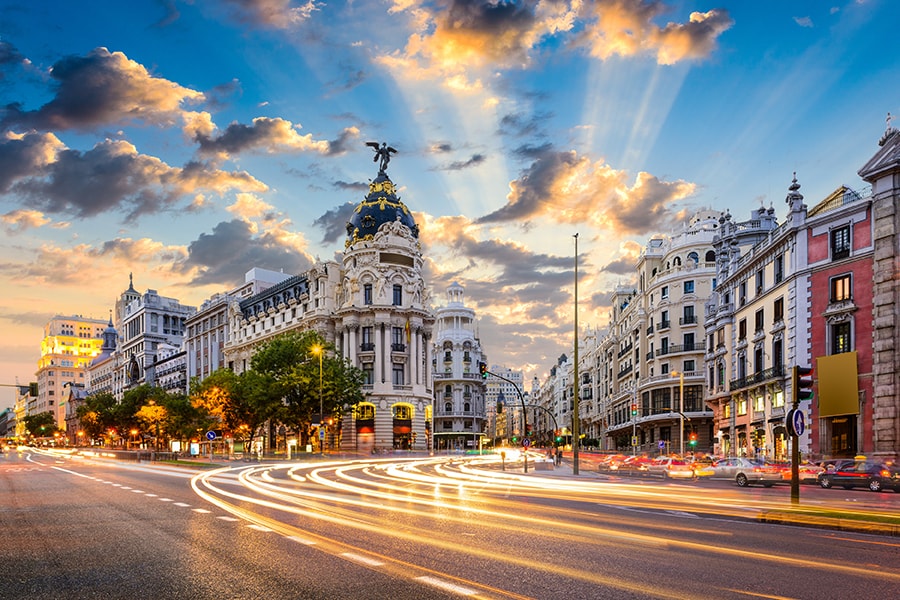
column 210, row 435
column 662, row 444
column 796, row 421
column 634, row 440
column 526, row 442
column 321, row 433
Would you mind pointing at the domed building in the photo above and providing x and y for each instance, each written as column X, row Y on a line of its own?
column 374, row 308
column 383, row 323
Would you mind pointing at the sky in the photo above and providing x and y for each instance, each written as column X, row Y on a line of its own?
column 188, row 141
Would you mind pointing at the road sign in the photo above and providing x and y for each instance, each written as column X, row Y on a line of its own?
column 210, row 435
column 321, row 433
column 526, row 442
column 797, row 421
column 634, row 440
column 662, row 444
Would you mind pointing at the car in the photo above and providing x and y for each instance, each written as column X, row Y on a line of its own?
column 807, row 472
column 670, row 468
column 744, row 471
column 876, row 476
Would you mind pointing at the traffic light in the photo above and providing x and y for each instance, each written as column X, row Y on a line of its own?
column 482, row 368
column 515, row 439
column 693, row 439
column 634, row 410
column 802, row 382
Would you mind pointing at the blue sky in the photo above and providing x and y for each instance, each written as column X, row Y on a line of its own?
column 189, row 141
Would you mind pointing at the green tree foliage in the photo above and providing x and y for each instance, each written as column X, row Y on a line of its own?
column 41, row 425
column 96, row 414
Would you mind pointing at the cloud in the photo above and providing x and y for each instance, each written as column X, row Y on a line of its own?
column 459, row 165
column 248, row 206
column 26, row 155
column 624, row 260
column 804, row 21
column 58, row 266
column 234, row 247
column 626, row 28
column 269, row 135
column 113, row 176
column 567, row 188
column 101, row 89
column 9, row 57
column 20, row 220
column 276, row 14
column 463, row 36
column 334, row 222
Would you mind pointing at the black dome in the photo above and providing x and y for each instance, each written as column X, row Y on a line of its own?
column 380, row 206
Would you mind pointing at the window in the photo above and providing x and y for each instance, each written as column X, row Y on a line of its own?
column 688, row 315
column 759, row 320
column 448, row 407
column 664, row 320
column 397, row 374
column 689, row 366
column 367, row 342
column 841, row 288
column 840, row 243
column 398, row 295
column 743, row 293
column 688, row 343
column 665, row 292
column 778, row 399
column 367, row 293
column 402, row 411
column 742, row 406
column 742, row 329
column 778, row 310
column 397, row 339
column 779, row 268
column 840, row 338
column 759, row 404
column 760, row 281
column 689, row 286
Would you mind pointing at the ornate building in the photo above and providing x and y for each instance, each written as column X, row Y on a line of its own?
column 459, row 401
column 68, row 346
column 373, row 307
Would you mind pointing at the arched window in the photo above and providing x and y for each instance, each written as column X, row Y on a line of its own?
column 448, row 407
column 693, row 257
column 467, row 407
column 710, row 256
column 448, row 390
column 677, row 261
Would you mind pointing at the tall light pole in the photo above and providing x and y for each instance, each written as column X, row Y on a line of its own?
column 318, row 350
column 577, row 385
column 680, row 376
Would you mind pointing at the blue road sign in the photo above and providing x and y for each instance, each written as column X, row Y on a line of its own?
column 210, row 435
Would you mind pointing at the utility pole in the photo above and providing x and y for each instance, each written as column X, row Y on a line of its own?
column 577, row 385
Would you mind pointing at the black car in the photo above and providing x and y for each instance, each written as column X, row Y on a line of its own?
column 874, row 475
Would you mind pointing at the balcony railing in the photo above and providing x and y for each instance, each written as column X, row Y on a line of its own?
column 367, row 347
column 687, row 320
column 757, row 378
column 695, row 347
column 663, row 325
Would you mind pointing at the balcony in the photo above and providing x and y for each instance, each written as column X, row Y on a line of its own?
column 625, row 350
column 695, row 347
column 367, row 347
column 398, row 347
column 663, row 325
column 688, row 320
column 757, row 378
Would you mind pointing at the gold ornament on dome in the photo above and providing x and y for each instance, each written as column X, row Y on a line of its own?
column 386, row 186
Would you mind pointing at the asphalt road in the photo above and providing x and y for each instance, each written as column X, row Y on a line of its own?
column 407, row 529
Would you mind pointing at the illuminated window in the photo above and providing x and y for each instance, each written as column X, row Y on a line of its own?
column 742, row 406
column 841, row 288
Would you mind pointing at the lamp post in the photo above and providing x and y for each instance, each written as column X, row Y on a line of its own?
column 319, row 351
column 680, row 376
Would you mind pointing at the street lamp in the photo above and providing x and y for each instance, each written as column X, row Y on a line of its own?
column 318, row 350
column 680, row 376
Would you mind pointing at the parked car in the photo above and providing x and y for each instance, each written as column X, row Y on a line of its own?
column 744, row 471
column 874, row 475
column 808, row 472
column 670, row 468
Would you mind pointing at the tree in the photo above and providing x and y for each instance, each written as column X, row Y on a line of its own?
column 292, row 367
column 96, row 414
column 41, row 424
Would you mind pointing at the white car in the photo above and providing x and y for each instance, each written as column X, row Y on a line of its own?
column 670, row 468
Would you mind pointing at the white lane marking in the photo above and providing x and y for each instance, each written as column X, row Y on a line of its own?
column 182, row 504
column 446, row 585
column 259, row 527
column 201, row 510
column 229, row 519
column 151, row 495
column 301, row 540
column 125, row 487
column 138, row 491
column 165, row 499
column 362, row 559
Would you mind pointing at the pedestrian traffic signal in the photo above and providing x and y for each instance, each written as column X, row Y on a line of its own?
column 801, row 378
column 482, row 368
column 634, row 410
column 515, row 439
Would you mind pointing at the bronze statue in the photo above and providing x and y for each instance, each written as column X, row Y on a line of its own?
column 383, row 153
